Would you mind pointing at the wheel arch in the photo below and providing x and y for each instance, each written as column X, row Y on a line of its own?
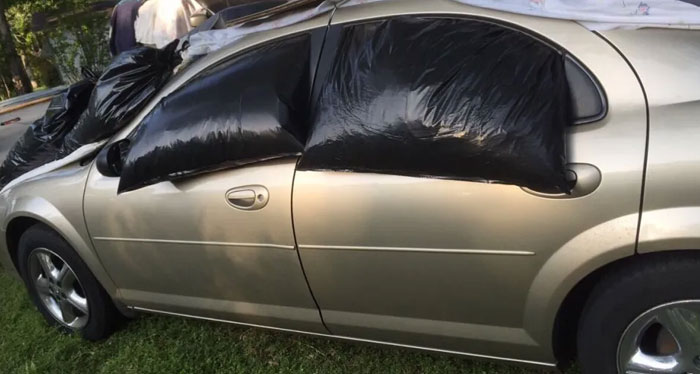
column 14, row 230
column 592, row 249
column 568, row 316
column 30, row 211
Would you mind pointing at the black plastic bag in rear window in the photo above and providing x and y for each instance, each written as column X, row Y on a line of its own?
column 448, row 98
column 127, row 84
column 43, row 139
column 248, row 109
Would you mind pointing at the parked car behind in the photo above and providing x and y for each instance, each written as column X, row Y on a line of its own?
column 496, row 271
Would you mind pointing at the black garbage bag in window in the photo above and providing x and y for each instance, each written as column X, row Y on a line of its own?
column 42, row 141
column 248, row 109
column 123, row 89
column 458, row 99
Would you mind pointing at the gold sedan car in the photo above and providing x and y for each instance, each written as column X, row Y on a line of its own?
column 609, row 273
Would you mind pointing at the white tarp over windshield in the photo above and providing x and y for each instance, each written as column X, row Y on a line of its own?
column 594, row 14
column 161, row 21
column 605, row 14
column 205, row 42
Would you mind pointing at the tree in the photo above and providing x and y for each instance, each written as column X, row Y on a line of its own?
column 19, row 73
column 51, row 41
column 57, row 38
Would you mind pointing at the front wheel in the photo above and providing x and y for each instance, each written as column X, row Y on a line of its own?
column 62, row 287
column 644, row 318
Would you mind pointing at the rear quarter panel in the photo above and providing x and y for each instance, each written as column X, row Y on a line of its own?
column 666, row 61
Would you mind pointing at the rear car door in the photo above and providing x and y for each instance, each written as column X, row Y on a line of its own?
column 220, row 244
column 467, row 266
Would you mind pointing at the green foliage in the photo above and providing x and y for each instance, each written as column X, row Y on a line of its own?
column 81, row 41
column 153, row 344
column 73, row 36
column 6, row 87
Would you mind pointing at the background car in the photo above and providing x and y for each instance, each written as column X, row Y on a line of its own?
column 484, row 270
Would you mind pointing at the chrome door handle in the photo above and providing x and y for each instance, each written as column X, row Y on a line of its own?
column 584, row 178
column 248, row 197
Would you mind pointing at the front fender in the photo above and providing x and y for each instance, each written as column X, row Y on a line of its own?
column 55, row 200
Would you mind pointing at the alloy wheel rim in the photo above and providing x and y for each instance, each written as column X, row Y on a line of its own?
column 664, row 339
column 58, row 288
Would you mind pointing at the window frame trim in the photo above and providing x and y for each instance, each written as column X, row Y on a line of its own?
column 332, row 41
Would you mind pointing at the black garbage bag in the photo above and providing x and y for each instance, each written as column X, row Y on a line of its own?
column 248, row 109
column 458, row 99
column 42, row 141
column 127, row 84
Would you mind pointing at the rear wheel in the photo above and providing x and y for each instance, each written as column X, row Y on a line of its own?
column 644, row 318
column 664, row 339
column 62, row 287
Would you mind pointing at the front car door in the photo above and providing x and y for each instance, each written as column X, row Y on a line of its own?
column 194, row 246
column 464, row 266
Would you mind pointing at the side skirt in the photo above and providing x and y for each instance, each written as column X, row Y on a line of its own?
column 536, row 364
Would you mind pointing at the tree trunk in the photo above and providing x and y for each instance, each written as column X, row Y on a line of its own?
column 7, row 89
column 19, row 74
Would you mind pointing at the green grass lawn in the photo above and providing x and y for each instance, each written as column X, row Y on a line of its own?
column 155, row 344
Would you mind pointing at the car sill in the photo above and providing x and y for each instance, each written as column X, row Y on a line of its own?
column 359, row 340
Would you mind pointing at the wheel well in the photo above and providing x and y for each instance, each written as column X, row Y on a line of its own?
column 19, row 226
column 568, row 317
column 15, row 229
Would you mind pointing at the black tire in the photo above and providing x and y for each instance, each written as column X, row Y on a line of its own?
column 626, row 292
column 103, row 316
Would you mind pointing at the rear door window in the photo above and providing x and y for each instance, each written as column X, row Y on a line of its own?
column 446, row 98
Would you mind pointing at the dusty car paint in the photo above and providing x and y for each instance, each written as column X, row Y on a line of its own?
column 433, row 264
column 671, row 203
column 438, row 289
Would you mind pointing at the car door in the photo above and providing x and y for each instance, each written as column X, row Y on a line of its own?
column 467, row 266
column 219, row 244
